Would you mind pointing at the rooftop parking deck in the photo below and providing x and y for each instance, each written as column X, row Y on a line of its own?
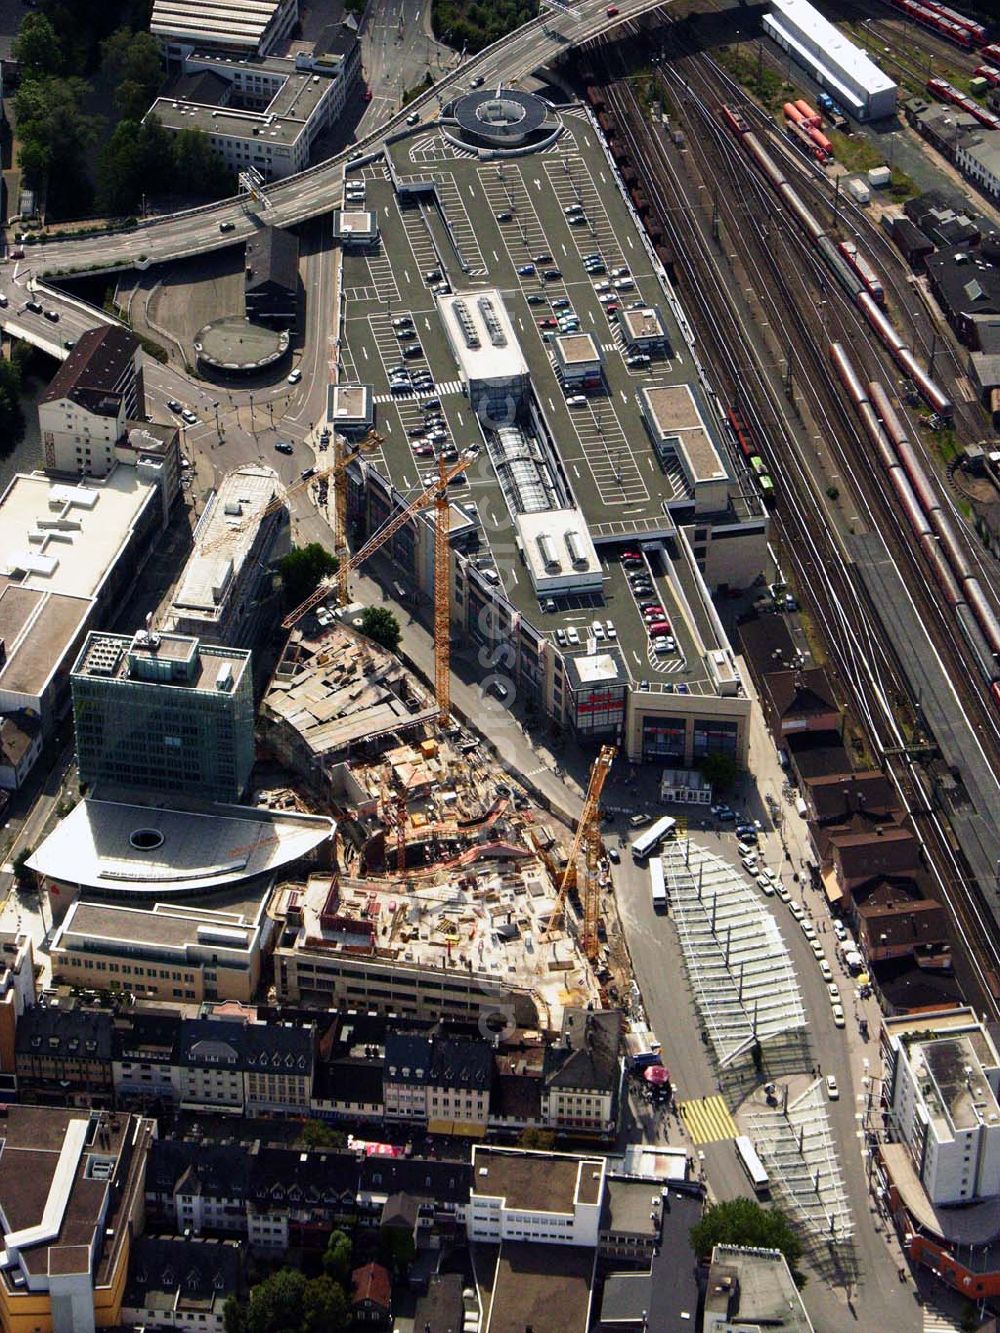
column 487, row 223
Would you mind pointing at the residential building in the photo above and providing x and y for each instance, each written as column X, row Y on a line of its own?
column 17, row 991
column 224, row 592
column 405, row 1071
column 168, row 951
column 96, row 390
column 71, row 556
column 238, row 1064
column 846, row 71
column 145, row 1057
column 371, row 1297
column 72, row 1201
column 164, row 712
column 262, row 114
column 458, row 1085
column 582, row 1074
column 631, row 1221
column 232, row 26
column 271, row 276
column 967, row 288
column 978, row 157
column 20, row 745
column 179, row 1282
column 552, row 1198
column 942, row 1074
column 752, row 1289
column 63, row 1051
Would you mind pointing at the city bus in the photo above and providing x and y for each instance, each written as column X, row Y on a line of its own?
column 752, row 1165
column 651, row 839
column 657, row 885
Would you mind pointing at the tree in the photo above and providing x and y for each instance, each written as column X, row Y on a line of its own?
column 136, row 155
column 537, row 1140
column 20, row 862
column 324, row 1306
column 11, row 412
column 233, row 1318
column 318, row 1134
column 396, row 1249
column 131, row 65
column 381, row 626
column 304, row 568
column 197, row 170
column 338, row 1256
column 36, row 47
column 276, row 1304
column 54, row 135
column 744, row 1222
column 720, row 770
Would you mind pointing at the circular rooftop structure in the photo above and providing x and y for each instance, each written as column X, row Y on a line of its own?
column 234, row 346
column 504, row 119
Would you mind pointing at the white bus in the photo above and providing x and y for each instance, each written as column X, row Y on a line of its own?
column 648, row 842
column 657, row 886
column 752, row 1164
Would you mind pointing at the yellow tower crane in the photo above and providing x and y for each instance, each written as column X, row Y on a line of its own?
column 277, row 502
column 438, row 495
column 588, row 835
column 342, row 455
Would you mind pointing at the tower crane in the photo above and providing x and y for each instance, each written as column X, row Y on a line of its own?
column 438, row 495
column 342, row 455
column 273, row 505
column 588, row 836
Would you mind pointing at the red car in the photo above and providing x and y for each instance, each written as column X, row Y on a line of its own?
column 368, row 95
column 612, row 11
column 547, row 323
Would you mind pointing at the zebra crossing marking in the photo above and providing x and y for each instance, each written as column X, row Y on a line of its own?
column 707, row 1120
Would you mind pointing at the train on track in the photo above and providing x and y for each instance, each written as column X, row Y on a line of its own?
column 748, row 447
column 962, row 590
column 849, row 277
column 947, row 23
column 945, row 92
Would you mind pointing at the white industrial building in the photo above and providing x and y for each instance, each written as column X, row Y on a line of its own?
column 941, row 1080
column 551, row 1198
column 487, row 352
column 847, row 73
column 250, row 27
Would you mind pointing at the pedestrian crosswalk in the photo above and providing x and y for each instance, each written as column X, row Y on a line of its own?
column 707, row 1120
column 437, row 390
column 936, row 1321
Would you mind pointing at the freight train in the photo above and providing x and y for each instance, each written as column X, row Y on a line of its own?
column 846, row 275
column 743, row 436
column 962, row 590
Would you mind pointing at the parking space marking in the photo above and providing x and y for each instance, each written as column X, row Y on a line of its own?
column 419, row 236
column 707, row 1120
column 463, row 233
column 442, row 389
column 572, row 183
column 608, row 454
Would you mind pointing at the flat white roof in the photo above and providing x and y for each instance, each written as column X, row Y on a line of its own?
column 223, row 541
column 675, row 417
column 66, row 538
column 95, row 846
column 558, row 550
column 481, row 336
column 241, row 22
column 831, row 44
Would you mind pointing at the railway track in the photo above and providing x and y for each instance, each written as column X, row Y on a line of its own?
column 787, row 290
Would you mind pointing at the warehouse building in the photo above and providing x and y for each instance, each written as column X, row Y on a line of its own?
column 843, row 69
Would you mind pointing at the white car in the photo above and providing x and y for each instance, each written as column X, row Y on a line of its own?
column 576, row 400
column 832, row 1091
column 797, row 910
column 295, row 376
column 597, row 629
column 750, row 864
column 833, row 990
column 783, row 893
column 816, row 947
column 765, row 886
column 573, row 634
column 839, row 1020
column 611, row 631
column 840, row 930
column 825, row 970
column 808, row 929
